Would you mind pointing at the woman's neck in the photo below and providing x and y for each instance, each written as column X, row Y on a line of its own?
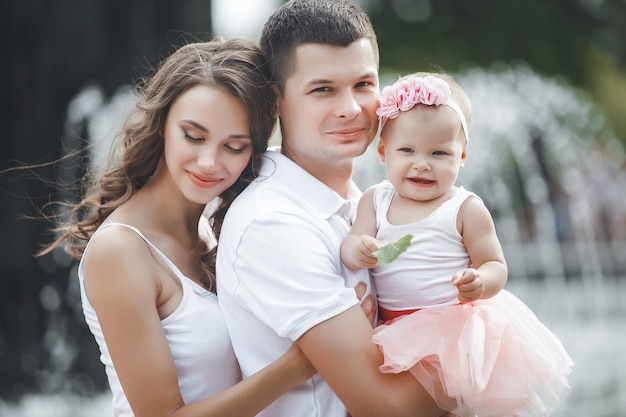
column 152, row 210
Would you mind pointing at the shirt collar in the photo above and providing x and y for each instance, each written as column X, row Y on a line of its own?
column 299, row 182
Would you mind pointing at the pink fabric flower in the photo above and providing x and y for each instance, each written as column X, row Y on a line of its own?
column 403, row 95
column 436, row 91
column 390, row 102
column 413, row 89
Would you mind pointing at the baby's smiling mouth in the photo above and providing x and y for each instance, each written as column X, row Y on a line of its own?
column 420, row 180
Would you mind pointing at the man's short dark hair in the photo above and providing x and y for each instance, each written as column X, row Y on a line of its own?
column 331, row 22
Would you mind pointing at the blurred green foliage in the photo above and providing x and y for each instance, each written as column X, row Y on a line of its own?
column 580, row 41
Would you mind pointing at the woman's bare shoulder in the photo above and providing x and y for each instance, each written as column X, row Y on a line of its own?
column 116, row 254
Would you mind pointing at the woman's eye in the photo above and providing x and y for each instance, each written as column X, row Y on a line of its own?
column 192, row 138
column 236, row 149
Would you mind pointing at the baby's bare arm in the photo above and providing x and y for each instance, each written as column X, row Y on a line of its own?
column 357, row 247
column 488, row 272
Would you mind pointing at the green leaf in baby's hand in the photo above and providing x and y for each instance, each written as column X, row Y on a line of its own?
column 391, row 251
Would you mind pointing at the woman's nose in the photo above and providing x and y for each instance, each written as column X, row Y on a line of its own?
column 208, row 157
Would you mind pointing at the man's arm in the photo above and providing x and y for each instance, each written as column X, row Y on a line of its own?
column 309, row 303
column 342, row 351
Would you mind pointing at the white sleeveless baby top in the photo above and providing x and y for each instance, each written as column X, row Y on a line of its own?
column 421, row 276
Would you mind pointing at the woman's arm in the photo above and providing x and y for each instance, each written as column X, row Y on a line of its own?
column 253, row 394
column 129, row 291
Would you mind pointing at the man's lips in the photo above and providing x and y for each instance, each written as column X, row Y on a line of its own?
column 349, row 133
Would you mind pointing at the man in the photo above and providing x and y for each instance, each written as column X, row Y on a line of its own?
column 280, row 277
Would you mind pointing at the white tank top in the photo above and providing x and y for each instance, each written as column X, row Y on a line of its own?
column 420, row 277
column 197, row 335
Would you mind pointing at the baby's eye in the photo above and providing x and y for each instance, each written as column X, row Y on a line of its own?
column 406, row 150
column 440, row 153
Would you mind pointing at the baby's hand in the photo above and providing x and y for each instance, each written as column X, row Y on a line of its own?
column 469, row 285
column 367, row 246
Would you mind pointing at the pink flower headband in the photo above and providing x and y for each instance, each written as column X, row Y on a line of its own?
column 404, row 94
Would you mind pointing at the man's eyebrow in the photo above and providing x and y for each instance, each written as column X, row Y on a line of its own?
column 370, row 75
column 318, row 81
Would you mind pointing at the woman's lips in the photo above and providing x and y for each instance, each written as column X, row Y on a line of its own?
column 202, row 181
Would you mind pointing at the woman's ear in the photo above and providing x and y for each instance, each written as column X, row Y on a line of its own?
column 381, row 150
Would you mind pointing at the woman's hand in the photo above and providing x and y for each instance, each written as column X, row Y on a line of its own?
column 368, row 304
column 297, row 361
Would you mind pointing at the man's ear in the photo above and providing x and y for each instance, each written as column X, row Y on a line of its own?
column 381, row 150
column 278, row 100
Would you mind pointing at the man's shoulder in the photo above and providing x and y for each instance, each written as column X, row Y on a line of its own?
column 263, row 203
column 273, row 190
column 264, row 194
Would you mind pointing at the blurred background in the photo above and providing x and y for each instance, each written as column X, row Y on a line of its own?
column 547, row 80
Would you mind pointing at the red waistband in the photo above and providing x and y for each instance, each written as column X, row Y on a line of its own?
column 386, row 315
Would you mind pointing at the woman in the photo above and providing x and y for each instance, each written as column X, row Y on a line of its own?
column 147, row 274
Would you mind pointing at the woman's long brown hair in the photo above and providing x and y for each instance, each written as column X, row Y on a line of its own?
column 234, row 66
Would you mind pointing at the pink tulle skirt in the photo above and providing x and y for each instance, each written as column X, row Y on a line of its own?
column 488, row 358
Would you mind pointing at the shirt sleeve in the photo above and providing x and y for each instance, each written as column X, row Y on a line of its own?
column 289, row 273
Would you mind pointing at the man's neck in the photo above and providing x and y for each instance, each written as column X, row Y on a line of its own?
column 337, row 179
column 336, row 175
